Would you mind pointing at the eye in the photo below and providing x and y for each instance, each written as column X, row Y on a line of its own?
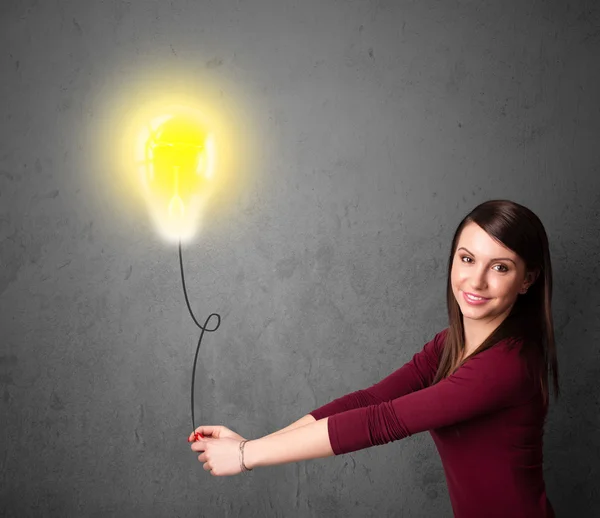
column 504, row 270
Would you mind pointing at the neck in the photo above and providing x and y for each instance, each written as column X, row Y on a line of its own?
column 476, row 331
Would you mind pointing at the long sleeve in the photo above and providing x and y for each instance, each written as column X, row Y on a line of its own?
column 415, row 375
column 491, row 380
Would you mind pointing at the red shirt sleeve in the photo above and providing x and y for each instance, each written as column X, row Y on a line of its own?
column 491, row 380
column 417, row 374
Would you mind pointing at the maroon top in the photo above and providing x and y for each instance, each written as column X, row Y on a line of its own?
column 486, row 419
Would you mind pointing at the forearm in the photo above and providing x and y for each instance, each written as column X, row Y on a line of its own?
column 303, row 421
column 310, row 441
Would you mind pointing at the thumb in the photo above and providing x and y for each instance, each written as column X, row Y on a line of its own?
column 210, row 430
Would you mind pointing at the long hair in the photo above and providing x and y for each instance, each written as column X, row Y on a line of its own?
column 530, row 318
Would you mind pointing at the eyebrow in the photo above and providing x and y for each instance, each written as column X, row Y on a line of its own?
column 496, row 259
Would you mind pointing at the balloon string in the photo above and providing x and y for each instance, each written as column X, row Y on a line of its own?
column 203, row 328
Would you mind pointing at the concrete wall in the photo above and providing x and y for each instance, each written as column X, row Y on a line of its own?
column 363, row 132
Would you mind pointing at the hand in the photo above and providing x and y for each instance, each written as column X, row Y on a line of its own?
column 221, row 456
column 218, row 432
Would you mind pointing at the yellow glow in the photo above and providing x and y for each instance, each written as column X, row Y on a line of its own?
column 175, row 156
column 125, row 144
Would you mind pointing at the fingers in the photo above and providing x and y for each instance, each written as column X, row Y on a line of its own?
column 209, row 468
column 206, row 466
column 204, row 456
column 206, row 431
column 196, row 436
column 200, row 439
column 212, row 430
column 199, row 445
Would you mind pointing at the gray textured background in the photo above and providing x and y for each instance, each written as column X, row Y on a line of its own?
column 377, row 126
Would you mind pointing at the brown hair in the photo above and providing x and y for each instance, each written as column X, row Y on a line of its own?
column 530, row 319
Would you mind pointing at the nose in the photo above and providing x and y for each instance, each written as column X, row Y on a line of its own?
column 478, row 280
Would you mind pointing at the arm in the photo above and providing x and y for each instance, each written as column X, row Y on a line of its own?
column 308, row 442
column 494, row 379
column 303, row 421
column 491, row 380
column 415, row 375
column 312, row 441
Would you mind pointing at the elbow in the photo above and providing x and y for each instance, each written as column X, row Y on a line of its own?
column 384, row 425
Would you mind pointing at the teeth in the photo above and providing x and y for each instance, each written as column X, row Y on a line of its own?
column 475, row 298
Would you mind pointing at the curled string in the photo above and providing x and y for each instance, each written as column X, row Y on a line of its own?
column 203, row 328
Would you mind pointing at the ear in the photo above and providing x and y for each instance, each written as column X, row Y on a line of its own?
column 530, row 278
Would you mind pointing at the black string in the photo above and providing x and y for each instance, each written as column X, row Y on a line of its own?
column 204, row 328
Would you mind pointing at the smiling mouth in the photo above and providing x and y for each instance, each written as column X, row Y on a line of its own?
column 474, row 297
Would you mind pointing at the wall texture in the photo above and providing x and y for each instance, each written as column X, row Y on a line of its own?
column 371, row 129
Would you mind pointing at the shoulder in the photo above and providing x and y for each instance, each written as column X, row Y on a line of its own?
column 508, row 362
column 523, row 356
column 433, row 348
column 436, row 344
column 442, row 334
column 506, row 352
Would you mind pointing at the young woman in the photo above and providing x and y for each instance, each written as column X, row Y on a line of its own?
column 480, row 386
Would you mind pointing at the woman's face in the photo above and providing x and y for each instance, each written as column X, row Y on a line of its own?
column 487, row 269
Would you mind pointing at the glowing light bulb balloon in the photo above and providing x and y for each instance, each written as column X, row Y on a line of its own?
column 175, row 156
column 173, row 152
